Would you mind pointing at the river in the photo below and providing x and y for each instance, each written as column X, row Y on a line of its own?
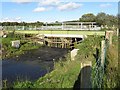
column 31, row 65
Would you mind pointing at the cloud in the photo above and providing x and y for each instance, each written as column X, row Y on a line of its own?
column 69, row 6
column 22, row 1
column 105, row 5
column 17, row 19
column 39, row 9
column 49, row 2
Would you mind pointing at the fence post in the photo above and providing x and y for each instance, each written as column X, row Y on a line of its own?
column 117, row 32
column 111, row 34
column 108, row 36
column 102, row 52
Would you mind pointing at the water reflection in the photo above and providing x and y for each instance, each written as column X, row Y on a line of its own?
column 31, row 65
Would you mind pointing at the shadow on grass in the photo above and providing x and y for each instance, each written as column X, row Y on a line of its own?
column 84, row 78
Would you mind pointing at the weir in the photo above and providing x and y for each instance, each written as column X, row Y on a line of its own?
column 61, row 40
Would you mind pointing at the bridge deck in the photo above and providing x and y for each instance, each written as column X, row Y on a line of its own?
column 64, row 35
column 68, row 32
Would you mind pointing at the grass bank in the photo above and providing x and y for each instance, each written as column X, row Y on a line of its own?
column 112, row 73
column 66, row 72
column 64, row 75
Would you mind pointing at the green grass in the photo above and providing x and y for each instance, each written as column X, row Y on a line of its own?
column 63, row 76
column 61, row 32
column 112, row 73
column 10, row 51
column 66, row 72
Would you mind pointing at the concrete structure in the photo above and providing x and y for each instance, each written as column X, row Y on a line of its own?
column 108, row 36
column 65, row 35
column 61, row 40
column 74, row 53
column 85, row 74
column 1, row 28
column 80, row 26
column 72, row 26
column 16, row 43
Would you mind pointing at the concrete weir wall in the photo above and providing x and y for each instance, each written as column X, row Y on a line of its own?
column 74, row 53
column 61, row 40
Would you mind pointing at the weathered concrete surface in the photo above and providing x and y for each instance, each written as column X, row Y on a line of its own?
column 84, row 77
column 64, row 35
column 74, row 53
column 85, row 81
column 16, row 43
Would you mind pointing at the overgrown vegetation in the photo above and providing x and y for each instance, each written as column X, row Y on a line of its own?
column 9, row 51
column 112, row 73
column 66, row 72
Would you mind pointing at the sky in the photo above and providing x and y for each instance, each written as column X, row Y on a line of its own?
column 53, row 10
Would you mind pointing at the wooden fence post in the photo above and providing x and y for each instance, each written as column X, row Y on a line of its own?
column 108, row 36
column 102, row 52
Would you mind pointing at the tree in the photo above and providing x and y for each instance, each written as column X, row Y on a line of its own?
column 106, row 19
column 88, row 17
column 100, row 18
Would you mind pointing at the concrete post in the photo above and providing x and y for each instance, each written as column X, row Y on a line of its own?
column 74, row 53
column 15, row 27
column 111, row 38
column 35, row 28
column 46, row 25
column 78, row 25
column 23, row 28
column 81, row 25
column 92, row 25
column 117, row 32
column 108, row 35
column 102, row 52
column 89, row 27
column 65, row 26
column 62, row 25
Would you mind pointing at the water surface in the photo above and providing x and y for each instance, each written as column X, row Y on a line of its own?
column 32, row 64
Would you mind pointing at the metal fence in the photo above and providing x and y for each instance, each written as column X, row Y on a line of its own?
column 67, row 27
column 98, row 69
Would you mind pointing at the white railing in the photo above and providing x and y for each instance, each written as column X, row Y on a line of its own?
column 67, row 27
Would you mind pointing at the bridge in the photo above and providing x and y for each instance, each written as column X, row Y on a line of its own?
column 60, row 38
column 67, row 32
column 57, row 26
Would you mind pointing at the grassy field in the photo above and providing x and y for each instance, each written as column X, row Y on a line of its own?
column 60, row 32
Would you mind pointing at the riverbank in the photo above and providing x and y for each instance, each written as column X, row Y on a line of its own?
column 63, row 76
column 31, row 65
column 25, row 44
column 66, row 72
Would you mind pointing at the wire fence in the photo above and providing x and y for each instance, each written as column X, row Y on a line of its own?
column 98, row 69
